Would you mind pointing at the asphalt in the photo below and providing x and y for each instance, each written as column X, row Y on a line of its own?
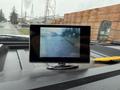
column 8, row 28
column 57, row 46
column 105, row 50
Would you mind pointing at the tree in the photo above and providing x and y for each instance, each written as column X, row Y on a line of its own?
column 14, row 16
column 2, row 18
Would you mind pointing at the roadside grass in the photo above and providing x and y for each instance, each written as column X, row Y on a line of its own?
column 24, row 31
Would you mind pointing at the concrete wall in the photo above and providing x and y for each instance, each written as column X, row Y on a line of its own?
column 94, row 17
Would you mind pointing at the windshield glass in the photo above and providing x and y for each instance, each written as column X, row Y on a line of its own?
column 8, row 28
column 14, row 20
column 16, row 16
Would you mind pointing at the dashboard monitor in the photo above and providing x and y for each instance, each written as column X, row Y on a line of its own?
column 60, row 43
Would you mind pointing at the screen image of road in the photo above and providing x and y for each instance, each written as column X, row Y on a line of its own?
column 59, row 42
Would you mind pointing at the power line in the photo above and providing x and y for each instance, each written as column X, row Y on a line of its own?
column 49, row 10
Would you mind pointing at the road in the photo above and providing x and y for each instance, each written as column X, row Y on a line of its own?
column 109, row 51
column 57, row 46
column 7, row 28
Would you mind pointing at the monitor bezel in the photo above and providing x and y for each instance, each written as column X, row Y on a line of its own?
column 84, row 48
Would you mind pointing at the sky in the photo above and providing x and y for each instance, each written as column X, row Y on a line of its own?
column 62, row 6
column 57, row 30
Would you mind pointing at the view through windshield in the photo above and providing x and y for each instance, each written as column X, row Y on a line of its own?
column 8, row 28
column 16, row 17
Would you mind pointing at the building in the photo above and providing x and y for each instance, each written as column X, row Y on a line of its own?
column 104, row 22
column 58, row 21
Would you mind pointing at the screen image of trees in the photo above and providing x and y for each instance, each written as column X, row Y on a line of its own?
column 59, row 42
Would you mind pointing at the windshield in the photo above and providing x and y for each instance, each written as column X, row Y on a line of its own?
column 10, row 33
column 14, row 21
column 7, row 28
column 17, row 16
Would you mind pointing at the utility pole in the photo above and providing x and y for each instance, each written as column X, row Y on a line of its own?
column 49, row 10
column 32, row 12
column 25, row 15
column 21, row 11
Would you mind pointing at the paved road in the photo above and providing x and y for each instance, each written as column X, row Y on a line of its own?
column 7, row 28
column 57, row 46
column 106, row 50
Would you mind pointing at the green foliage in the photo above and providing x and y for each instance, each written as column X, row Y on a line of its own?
column 24, row 31
column 14, row 16
column 71, row 32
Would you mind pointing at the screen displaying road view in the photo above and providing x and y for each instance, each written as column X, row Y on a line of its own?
column 59, row 42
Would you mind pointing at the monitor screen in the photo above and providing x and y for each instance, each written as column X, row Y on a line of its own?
column 64, row 42
column 59, row 43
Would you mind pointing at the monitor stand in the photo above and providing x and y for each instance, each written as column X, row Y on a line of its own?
column 62, row 66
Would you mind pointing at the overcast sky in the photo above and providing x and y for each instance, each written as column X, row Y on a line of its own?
column 62, row 6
